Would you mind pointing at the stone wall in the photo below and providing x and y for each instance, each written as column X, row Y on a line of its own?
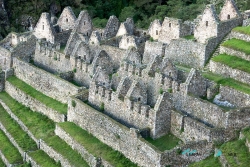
column 233, row 52
column 51, row 60
column 151, row 49
column 119, row 137
column 33, row 103
column 89, row 158
column 44, row 82
column 238, row 35
column 116, row 54
column 227, row 71
column 5, row 59
column 62, row 37
column 53, row 154
column 209, row 113
column 25, row 50
column 186, row 52
column 238, row 118
column 235, row 97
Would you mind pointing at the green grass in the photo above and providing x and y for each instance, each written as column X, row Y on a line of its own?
column 243, row 30
column 211, row 161
column 1, row 162
column 233, row 62
column 9, row 150
column 40, row 125
column 166, row 142
column 62, row 48
column 95, row 146
column 65, row 150
column 48, row 101
column 20, row 136
column 43, row 159
column 246, row 133
column 236, row 151
column 238, row 45
column 245, row 88
column 189, row 37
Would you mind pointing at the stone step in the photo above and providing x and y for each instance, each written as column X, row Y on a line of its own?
column 42, row 128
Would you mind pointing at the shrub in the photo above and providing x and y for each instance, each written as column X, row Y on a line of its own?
column 73, row 103
column 74, row 70
column 161, row 91
column 102, row 107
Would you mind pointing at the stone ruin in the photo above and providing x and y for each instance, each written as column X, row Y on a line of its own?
column 134, row 82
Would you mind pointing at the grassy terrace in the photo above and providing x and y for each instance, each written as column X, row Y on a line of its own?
column 243, row 30
column 48, row 101
column 38, row 124
column 22, row 139
column 166, row 142
column 238, row 45
column 211, row 161
column 9, row 150
column 228, row 82
column 233, row 62
column 65, row 150
column 42, row 127
column 236, row 153
column 94, row 146
column 43, row 159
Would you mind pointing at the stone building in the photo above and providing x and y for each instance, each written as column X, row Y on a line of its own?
column 67, row 19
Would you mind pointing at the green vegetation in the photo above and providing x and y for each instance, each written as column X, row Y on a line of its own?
column 62, row 47
column 73, row 103
column 43, row 159
column 95, row 146
column 48, row 101
column 42, row 128
column 243, row 30
column 211, row 161
column 166, row 142
column 233, row 62
column 246, row 133
column 40, row 125
column 161, row 91
column 1, row 162
column 239, row 45
column 102, row 107
column 9, row 150
column 20, row 136
column 74, row 70
column 228, row 82
column 236, row 153
column 189, row 37
column 65, row 150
